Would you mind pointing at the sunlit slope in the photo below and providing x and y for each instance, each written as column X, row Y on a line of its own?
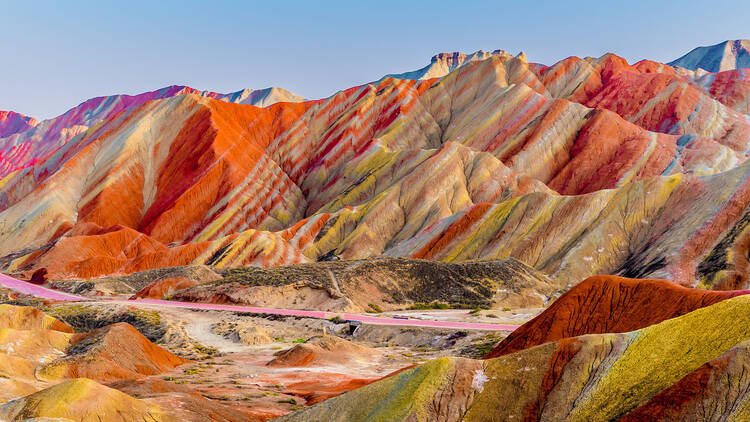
column 573, row 379
column 588, row 166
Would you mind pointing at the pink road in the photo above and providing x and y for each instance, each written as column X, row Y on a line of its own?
column 44, row 293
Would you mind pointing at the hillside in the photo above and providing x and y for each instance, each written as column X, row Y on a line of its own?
column 573, row 379
column 728, row 55
column 406, row 168
column 385, row 284
column 607, row 304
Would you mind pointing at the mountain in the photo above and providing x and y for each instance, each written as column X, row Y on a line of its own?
column 727, row 55
column 257, row 97
column 12, row 122
column 445, row 63
column 604, row 205
column 20, row 149
column 584, row 167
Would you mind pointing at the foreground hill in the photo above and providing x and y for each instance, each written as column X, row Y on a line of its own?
column 574, row 379
column 47, row 371
column 608, row 304
column 728, row 55
column 81, row 400
column 36, row 349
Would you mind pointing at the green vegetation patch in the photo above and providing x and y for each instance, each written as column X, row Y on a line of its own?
column 84, row 318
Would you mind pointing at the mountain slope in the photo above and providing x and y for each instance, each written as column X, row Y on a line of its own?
column 573, row 379
column 22, row 148
column 608, row 304
column 727, row 55
column 81, row 400
column 12, row 122
column 489, row 161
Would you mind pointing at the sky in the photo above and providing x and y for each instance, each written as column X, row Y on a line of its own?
column 57, row 54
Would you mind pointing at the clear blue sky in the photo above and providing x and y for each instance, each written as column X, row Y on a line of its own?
column 59, row 53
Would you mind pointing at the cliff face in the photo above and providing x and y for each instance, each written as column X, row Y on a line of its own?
column 444, row 63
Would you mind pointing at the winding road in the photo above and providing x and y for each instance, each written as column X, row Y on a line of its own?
column 45, row 293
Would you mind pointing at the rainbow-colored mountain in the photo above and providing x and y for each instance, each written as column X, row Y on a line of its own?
column 605, row 192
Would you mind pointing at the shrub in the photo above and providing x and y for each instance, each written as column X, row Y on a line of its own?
column 375, row 308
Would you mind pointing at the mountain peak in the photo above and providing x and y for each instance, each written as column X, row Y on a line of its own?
column 12, row 122
column 258, row 97
column 442, row 64
column 727, row 55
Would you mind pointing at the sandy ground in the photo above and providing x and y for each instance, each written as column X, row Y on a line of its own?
column 237, row 374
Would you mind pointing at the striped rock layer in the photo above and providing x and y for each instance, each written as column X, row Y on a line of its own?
column 25, row 141
column 609, row 304
column 12, row 122
column 50, row 373
column 588, row 166
column 37, row 351
column 693, row 367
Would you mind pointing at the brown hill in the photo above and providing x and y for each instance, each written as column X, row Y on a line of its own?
column 324, row 350
column 609, row 304
column 115, row 352
column 389, row 283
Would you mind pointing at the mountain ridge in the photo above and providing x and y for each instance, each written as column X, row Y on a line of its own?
column 399, row 167
column 726, row 55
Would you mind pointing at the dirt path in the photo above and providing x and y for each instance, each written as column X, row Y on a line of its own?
column 197, row 326
column 45, row 293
